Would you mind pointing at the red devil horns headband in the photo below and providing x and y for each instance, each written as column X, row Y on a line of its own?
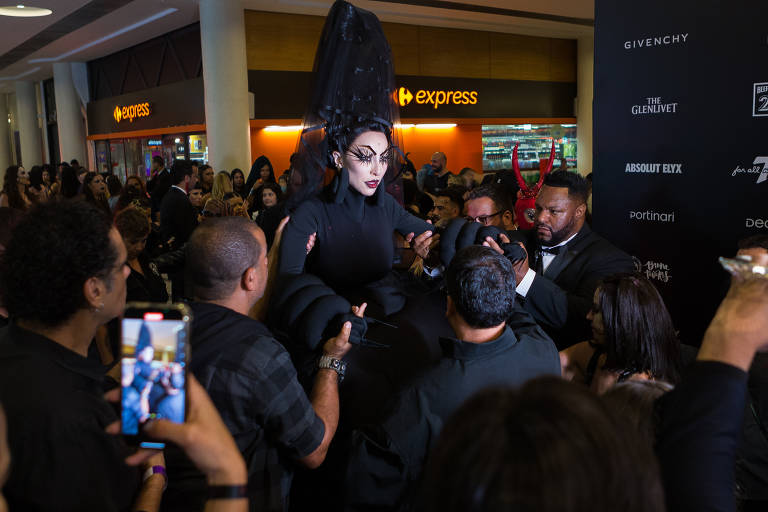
column 524, row 190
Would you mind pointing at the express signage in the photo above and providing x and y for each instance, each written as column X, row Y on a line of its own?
column 435, row 98
column 276, row 93
column 129, row 112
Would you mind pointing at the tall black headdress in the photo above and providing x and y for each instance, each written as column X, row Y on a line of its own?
column 353, row 84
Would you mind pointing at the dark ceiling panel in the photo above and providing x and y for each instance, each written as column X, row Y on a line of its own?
column 83, row 16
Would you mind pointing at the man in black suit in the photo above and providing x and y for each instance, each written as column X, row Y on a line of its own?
column 566, row 260
column 177, row 216
column 159, row 182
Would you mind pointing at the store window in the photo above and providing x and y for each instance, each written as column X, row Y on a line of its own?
column 117, row 158
column 534, row 143
column 198, row 147
column 102, row 156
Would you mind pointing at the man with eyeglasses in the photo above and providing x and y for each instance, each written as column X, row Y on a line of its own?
column 490, row 206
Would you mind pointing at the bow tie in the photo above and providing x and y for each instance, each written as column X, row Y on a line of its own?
column 551, row 250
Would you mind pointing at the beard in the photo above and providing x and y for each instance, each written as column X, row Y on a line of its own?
column 558, row 236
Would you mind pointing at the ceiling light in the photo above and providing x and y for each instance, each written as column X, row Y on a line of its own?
column 404, row 126
column 279, row 128
column 107, row 37
column 436, row 126
column 24, row 11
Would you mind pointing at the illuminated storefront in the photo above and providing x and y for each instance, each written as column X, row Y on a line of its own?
column 128, row 131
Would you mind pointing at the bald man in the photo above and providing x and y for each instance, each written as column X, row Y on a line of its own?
column 437, row 180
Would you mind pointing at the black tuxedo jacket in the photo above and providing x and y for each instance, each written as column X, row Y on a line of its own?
column 177, row 217
column 560, row 298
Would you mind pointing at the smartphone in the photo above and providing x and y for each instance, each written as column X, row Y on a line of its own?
column 155, row 351
column 743, row 266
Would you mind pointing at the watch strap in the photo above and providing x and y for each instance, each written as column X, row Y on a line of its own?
column 227, row 492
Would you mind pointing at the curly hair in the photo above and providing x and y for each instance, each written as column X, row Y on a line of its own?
column 77, row 233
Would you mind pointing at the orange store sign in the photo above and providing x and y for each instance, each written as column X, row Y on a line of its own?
column 130, row 112
column 435, row 98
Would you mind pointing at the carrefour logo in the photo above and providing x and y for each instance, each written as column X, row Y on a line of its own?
column 130, row 112
column 403, row 97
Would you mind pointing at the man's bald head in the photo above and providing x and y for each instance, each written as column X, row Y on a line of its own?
column 439, row 161
column 219, row 252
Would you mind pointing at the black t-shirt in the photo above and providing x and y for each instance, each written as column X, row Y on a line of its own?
column 62, row 458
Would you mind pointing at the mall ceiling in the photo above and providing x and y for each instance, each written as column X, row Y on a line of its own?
column 82, row 30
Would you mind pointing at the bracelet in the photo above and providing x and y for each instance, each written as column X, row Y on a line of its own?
column 227, row 492
column 156, row 470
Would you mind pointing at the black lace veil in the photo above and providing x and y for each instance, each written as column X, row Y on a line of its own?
column 353, row 85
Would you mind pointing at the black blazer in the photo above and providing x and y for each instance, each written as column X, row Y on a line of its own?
column 560, row 298
column 158, row 187
column 177, row 217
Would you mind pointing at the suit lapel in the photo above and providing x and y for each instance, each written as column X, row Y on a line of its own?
column 572, row 249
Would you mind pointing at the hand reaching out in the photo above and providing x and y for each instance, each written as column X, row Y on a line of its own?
column 423, row 243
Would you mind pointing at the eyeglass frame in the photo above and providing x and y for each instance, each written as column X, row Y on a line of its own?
column 484, row 217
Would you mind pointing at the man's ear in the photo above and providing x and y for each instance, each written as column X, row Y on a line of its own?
column 250, row 279
column 581, row 210
column 337, row 160
column 508, row 219
column 94, row 290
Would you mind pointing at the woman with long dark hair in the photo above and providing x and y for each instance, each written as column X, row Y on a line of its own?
column 14, row 193
column 95, row 192
column 632, row 337
column 268, row 210
column 238, row 183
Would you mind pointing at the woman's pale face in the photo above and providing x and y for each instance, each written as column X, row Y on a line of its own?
column 268, row 197
column 22, row 176
column 366, row 161
column 595, row 316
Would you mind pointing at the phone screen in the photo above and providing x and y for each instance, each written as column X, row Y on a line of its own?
column 154, row 347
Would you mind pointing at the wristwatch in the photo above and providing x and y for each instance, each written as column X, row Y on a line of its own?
column 330, row 363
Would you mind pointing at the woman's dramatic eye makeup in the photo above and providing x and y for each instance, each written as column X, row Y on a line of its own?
column 365, row 154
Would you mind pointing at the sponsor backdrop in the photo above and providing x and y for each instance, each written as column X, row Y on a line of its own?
column 681, row 141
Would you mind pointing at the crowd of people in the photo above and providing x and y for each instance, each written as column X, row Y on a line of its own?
column 364, row 336
column 489, row 398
